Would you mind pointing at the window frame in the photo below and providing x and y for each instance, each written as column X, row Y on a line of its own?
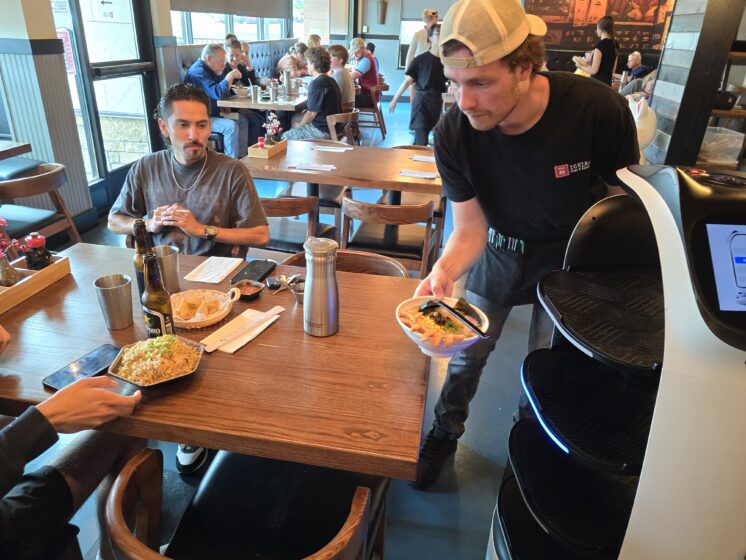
column 187, row 34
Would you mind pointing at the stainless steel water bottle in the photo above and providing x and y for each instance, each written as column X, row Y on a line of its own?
column 321, row 299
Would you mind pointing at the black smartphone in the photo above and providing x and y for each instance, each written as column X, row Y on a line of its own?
column 91, row 364
column 256, row 270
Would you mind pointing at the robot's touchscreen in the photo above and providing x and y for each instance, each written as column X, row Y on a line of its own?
column 728, row 253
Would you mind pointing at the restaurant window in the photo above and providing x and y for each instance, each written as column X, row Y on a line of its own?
column 299, row 18
column 274, row 28
column 208, row 28
column 179, row 27
column 246, row 28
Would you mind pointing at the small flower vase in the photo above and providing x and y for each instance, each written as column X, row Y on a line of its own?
column 8, row 274
column 269, row 139
column 277, row 137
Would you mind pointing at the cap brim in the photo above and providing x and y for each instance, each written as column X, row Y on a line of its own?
column 537, row 26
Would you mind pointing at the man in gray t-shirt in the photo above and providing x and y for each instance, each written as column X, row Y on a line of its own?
column 201, row 201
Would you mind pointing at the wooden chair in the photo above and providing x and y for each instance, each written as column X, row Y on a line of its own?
column 46, row 178
column 347, row 106
column 395, row 231
column 248, row 507
column 440, row 203
column 358, row 261
column 350, row 129
column 287, row 234
column 372, row 117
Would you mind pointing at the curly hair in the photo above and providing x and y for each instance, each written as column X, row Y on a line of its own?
column 180, row 92
column 320, row 59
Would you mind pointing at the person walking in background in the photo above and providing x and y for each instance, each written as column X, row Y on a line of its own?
column 365, row 72
column 338, row 56
column 420, row 43
column 426, row 73
column 605, row 52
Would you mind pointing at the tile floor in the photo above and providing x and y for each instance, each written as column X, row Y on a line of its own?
column 452, row 520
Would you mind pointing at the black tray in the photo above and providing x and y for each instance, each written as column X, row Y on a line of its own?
column 616, row 316
column 586, row 511
column 602, row 415
column 516, row 534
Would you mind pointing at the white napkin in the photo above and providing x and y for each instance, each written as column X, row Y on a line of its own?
column 428, row 159
column 213, row 270
column 418, row 174
column 237, row 324
column 315, row 166
column 338, row 149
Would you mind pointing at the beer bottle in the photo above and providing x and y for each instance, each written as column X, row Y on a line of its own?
column 156, row 302
column 143, row 246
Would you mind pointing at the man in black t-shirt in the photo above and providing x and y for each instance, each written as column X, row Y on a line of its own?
column 324, row 98
column 522, row 157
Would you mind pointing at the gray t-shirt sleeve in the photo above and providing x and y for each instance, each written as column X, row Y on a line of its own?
column 246, row 208
column 131, row 199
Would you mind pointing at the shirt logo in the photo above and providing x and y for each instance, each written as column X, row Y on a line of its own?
column 566, row 169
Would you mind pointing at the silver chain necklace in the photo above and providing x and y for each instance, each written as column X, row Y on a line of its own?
column 173, row 175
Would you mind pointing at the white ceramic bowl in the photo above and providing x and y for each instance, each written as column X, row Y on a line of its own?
column 426, row 347
column 241, row 91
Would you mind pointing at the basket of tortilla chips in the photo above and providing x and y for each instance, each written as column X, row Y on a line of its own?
column 194, row 309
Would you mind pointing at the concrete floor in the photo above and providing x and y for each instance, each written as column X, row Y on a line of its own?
column 452, row 520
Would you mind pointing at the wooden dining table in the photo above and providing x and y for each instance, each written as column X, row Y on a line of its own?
column 360, row 166
column 352, row 401
column 293, row 104
column 10, row 149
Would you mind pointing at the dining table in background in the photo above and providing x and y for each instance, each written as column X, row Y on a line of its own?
column 9, row 149
column 352, row 401
column 358, row 166
column 292, row 104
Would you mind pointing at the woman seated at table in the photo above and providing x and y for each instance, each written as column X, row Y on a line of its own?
column 324, row 99
column 294, row 61
column 426, row 73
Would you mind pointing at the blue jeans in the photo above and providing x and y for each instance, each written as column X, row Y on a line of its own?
column 465, row 368
column 305, row 132
column 235, row 134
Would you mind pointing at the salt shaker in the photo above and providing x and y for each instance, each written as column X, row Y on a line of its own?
column 321, row 299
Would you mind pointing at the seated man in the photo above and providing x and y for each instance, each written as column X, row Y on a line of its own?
column 207, row 73
column 247, row 79
column 635, row 66
column 323, row 99
column 372, row 50
column 365, row 72
column 35, row 507
column 338, row 57
column 202, row 202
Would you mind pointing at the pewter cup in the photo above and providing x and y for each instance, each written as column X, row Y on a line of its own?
column 255, row 93
column 115, row 297
column 168, row 261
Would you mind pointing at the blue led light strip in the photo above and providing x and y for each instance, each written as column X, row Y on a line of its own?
column 549, row 432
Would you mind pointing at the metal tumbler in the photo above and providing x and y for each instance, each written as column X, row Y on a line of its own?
column 321, row 295
column 115, row 297
column 168, row 262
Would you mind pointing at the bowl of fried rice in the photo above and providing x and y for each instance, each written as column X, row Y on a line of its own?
column 157, row 360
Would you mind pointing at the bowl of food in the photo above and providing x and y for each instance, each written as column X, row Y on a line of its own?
column 194, row 309
column 241, row 91
column 436, row 331
column 250, row 289
column 157, row 360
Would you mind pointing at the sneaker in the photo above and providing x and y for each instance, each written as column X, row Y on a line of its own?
column 190, row 459
column 433, row 455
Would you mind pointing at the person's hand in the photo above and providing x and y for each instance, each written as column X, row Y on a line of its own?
column 87, row 403
column 392, row 106
column 180, row 217
column 233, row 75
column 4, row 338
column 156, row 222
column 437, row 284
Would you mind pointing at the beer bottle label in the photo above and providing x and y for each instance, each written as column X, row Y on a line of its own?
column 156, row 323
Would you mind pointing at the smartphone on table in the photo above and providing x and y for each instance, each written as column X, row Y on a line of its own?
column 93, row 363
column 256, row 270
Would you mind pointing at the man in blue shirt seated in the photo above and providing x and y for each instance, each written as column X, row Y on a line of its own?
column 207, row 73
column 635, row 66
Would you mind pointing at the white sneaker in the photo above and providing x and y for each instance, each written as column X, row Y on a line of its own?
column 189, row 458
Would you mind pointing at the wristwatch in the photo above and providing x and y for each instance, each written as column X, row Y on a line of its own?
column 211, row 232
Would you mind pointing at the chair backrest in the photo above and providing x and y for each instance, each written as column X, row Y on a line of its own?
column 350, row 542
column 348, row 119
column 285, row 207
column 358, row 261
column 347, row 106
column 386, row 213
column 428, row 149
column 133, row 508
column 45, row 178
